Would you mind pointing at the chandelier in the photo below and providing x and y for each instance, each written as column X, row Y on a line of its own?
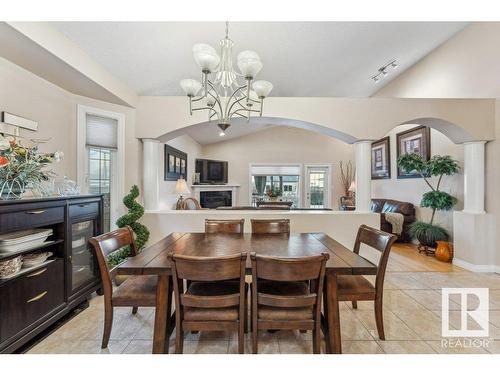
column 224, row 92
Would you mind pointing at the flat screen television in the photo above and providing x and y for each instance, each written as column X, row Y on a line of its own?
column 211, row 171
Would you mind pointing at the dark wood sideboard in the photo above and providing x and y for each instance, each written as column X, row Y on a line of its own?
column 37, row 297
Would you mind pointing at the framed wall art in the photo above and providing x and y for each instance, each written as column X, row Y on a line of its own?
column 381, row 159
column 175, row 164
column 416, row 140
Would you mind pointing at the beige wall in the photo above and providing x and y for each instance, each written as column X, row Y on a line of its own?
column 351, row 118
column 28, row 95
column 411, row 190
column 466, row 66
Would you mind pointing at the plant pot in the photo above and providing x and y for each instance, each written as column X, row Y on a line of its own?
column 12, row 193
column 444, row 251
column 119, row 279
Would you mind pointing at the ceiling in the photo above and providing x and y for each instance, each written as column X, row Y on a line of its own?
column 310, row 59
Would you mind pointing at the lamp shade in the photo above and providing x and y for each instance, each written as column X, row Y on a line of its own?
column 181, row 187
column 254, row 96
column 206, row 57
column 190, row 86
column 353, row 186
column 249, row 63
column 262, row 88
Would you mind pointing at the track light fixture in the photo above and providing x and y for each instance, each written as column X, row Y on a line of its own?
column 383, row 71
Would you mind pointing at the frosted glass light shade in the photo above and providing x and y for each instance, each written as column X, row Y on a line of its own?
column 262, row 88
column 249, row 63
column 190, row 86
column 206, row 57
column 254, row 96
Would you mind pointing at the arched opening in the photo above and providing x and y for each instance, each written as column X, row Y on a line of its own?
column 314, row 151
column 401, row 187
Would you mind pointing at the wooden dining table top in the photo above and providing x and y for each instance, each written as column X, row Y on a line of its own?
column 153, row 260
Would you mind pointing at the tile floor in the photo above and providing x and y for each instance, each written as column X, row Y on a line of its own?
column 412, row 314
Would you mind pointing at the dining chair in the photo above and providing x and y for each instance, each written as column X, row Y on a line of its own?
column 135, row 291
column 286, row 294
column 224, row 226
column 215, row 298
column 270, row 226
column 356, row 288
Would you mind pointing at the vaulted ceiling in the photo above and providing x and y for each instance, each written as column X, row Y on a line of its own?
column 311, row 59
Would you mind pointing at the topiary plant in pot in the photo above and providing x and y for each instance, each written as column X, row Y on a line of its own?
column 438, row 166
column 135, row 212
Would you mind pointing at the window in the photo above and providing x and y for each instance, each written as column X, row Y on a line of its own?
column 275, row 182
column 100, row 158
column 100, row 164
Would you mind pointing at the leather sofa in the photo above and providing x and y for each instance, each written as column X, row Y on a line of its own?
column 407, row 209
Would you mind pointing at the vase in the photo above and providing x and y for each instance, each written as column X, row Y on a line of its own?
column 444, row 251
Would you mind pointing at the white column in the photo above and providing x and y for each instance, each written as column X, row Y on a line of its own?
column 474, row 177
column 363, row 175
column 150, row 169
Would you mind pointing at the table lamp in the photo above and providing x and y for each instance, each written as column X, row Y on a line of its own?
column 180, row 188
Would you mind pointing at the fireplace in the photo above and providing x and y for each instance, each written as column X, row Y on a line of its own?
column 214, row 199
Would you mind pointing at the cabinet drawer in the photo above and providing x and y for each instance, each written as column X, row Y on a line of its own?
column 28, row 298
column 84, row 209
column 30, row 218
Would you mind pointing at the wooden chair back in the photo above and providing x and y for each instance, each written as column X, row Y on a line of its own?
column 311, row 268
column 106, row 244
column 270, row 226
column 193, row 269
column 224, row 226
column 378, row 240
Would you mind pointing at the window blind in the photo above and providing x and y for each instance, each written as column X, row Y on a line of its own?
column 101, row 132
column 276, row 170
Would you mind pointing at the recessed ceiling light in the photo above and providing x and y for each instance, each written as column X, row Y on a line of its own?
column 222, row 134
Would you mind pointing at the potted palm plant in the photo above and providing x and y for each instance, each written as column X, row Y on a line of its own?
column 427, row 233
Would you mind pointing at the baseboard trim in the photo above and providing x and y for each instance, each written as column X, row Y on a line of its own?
column 476, row 267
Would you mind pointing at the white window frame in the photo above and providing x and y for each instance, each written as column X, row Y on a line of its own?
column 301, row 175
column 118, row 171
column 328, row 202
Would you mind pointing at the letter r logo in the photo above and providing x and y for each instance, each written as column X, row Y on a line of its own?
column 479, row 315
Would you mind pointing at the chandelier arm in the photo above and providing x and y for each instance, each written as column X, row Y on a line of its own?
column 236, row 102
column 237, row 112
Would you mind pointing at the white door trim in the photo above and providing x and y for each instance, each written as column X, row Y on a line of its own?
column 328, row 203
column 117, row 189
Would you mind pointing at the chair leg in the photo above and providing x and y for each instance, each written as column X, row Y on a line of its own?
column 241, row 336
column 316, row 333
column 354, row 304
column 134, row 310
column 379, row 318
column 179, row 339
column 246, row 321
column 108, row 324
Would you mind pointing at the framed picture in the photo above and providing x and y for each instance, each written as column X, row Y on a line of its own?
column 416, row 140
column 381, row 159
column 175, row 164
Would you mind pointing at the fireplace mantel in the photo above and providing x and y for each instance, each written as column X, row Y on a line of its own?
column 233, row 188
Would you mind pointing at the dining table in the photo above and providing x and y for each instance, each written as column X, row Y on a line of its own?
column 153, row 260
